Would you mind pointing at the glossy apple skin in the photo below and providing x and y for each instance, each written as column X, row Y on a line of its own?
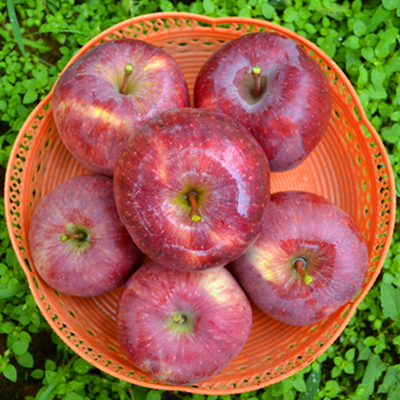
column 192, row 150
column 301, row 224
column 102, row 263
column 94, row 119
column 218, row 313
column 292, row 113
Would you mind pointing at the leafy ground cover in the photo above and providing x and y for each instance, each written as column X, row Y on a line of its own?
column 38, row 37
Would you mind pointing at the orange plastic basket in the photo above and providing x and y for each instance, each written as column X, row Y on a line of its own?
column 350, row 167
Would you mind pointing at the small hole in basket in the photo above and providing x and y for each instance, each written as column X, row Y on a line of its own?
column 349, row 136
column 57, row 293
column 35, row 282
column 359, row 160
column 39, row 167
column 208, row 44
column 268, row 358
column 61, row 304
column 243, row 367
column 182, row 44
column 336, row 326
column 112, row 348
column 292, row 345
column 337, row 114
column 28, row 264
column 34, row 193
column 365, row 185
column 366, row 211
column 366, row 131
column 356, row 112
column 355, row 297
column 90, row 332
column 72, row 313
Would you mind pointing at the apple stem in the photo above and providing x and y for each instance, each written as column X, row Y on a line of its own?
column 256, row 72
column 179, row 319
column 127, row 72
column 300, row 264
column 80, row 236
column 194, row 212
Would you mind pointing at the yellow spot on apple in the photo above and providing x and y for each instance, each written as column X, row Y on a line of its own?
column 94, row 112
column 215, row 287
column 263, row 263
column 158, row 63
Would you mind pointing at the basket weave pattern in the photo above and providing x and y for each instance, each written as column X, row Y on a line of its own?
column 350, row 167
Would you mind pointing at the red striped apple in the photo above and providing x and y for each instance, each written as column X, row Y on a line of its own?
column 108, row 92
column 310, row 259
column 77, row 242
column 191, row 187
column 182, row 327
column 274, row 88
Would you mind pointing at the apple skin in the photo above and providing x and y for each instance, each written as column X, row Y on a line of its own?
column 218, row 322
column 91, row 267
column 306, row 225
column 183, row 150
column 94, row 119
column 290, row 116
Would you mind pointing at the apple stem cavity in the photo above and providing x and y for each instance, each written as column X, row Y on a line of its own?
column 300, row 265
column 178, row 319
column 256, row 72
column 80, row 236
column 194, row 212
column 127, row 72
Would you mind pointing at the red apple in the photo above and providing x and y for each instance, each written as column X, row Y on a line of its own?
column 182, row 327
column 191, row 187
column 77, row 242
column 107, row 93
column 310, row 260
column 274, row 88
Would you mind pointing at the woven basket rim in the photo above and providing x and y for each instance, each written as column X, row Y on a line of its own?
column 213, row 22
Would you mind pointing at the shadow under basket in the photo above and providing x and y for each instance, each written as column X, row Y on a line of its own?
column 349, row 167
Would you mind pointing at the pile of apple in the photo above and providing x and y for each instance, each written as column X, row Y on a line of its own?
column 190, row 189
